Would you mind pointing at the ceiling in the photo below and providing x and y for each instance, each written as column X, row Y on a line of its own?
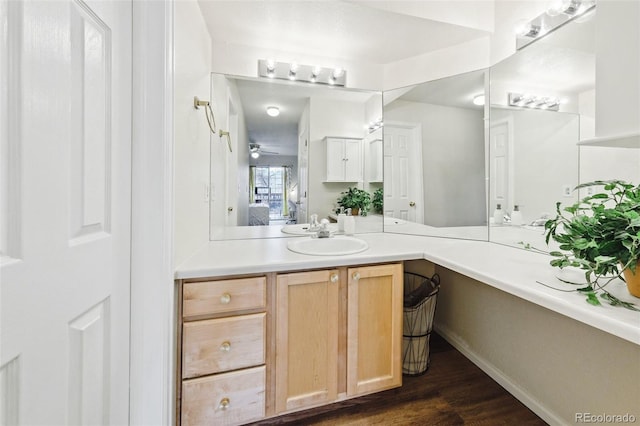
column 455, row 91
column 365, row 31
column 280, row 134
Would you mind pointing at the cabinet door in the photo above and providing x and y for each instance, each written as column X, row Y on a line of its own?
column 353, row 160
column 374, row 331
column 306, row 339
column 336, row 159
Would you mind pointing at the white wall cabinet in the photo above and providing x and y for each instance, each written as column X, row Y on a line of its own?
column 344, row 159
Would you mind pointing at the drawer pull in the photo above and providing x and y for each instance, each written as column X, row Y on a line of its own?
column 356, row 276
column 225, row 298
column 225, row 346
column 224, row 403
column 334, row 278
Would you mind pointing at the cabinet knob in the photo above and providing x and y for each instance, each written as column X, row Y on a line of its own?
column 224, row 403
column 412, row 204
column 225, row 346
column 334, row 278
column 356, row 276
column 225, row 298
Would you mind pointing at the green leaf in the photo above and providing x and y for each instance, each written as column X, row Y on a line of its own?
column 592, row 299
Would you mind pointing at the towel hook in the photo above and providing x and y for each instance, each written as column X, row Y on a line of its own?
column 208, row 112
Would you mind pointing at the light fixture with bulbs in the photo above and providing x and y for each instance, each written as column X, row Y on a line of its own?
column 273, row 111
column 558, row 13
column 307, row 73
column 549, row 103
column 375, row 125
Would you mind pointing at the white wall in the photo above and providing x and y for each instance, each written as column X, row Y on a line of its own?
column 453, row 160
column 617, row 67
column 556, row 365
column 603, row 163
column 191, row 133
column 243, row 61
column 329, row 118
column 464, row 57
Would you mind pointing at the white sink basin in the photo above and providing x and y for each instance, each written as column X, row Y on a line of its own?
column 336, row 246
column 303, row 228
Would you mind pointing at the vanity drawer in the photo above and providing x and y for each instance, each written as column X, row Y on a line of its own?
column 224, row 399
column 213, row 297
column 223, row 344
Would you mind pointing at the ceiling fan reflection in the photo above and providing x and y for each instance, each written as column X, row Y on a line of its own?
column 255, row 150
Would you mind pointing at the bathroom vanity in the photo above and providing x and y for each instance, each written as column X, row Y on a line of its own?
column 259, row 345
column 490, row 307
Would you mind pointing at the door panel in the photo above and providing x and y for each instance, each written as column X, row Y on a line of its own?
column 306, row 339
column 403, row 193
column 65, row 277
column 374, row 330
column 501, row 189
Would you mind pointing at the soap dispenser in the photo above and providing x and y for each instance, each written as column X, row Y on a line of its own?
column 516, row 216
column 498, row 215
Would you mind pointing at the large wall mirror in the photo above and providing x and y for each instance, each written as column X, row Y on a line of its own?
column 298, row 146
column 435, row 162
column 542, row 104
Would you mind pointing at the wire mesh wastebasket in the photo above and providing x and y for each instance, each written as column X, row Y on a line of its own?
column 420, row 296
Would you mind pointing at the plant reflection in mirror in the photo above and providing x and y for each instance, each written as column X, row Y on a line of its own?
column 600, row 235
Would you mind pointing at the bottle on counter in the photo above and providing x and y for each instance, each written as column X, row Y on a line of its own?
column 516, row 216
column 349, row 225
column 341, row 217
column 498, row 215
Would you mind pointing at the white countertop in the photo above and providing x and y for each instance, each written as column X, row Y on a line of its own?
column 509, row 269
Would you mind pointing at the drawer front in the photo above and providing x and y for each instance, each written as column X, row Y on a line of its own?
column 224, row 399
column 213, row 297
column 223, row 344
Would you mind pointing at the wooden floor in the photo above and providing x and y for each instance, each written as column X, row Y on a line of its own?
column 453, row 391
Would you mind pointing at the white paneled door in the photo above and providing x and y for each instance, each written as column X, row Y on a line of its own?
column 502, row 168
column 66, row 201
column 403, row 189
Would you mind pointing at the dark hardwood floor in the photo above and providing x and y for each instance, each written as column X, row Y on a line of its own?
column 452, row 392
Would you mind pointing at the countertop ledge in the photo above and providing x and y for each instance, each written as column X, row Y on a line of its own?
column 509, row 269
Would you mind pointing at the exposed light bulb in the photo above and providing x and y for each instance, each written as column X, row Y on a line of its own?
column 271, row 68
column 255, row 154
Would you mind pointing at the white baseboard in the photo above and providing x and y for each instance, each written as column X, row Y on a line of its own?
column 505, row 381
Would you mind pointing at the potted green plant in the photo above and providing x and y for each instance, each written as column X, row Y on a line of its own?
column 358, row 200
column 600, row 234
column 378, row 200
